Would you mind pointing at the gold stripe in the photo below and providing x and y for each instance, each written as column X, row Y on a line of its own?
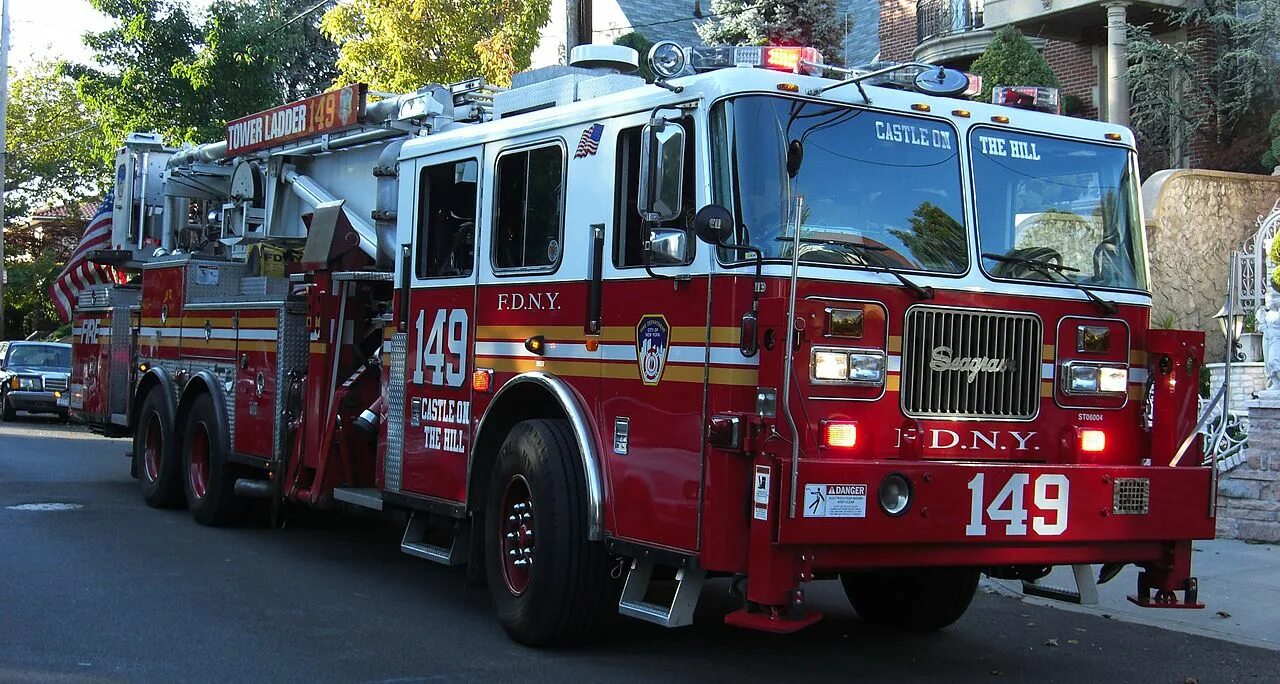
column 1046, row 389
column 259, row 322
column 257, row 346
column 1048, row 352
column 747, row 377
column 199, row 343
column 318, row 347
column 612, row 333
column 1137, row 357
column 892, row 383
column 895, row 344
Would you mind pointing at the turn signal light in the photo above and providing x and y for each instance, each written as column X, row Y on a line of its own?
column 1093, row 441
column 840, row 434
column 482, row 380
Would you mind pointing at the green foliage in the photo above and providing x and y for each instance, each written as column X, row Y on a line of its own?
column 28, row 306
column 636, row 41
column 158, row 70
column 1011, row 60
column 813, row 23
column 1174, row 99
column 1073, row 105
column 1271, row 158
column 400, row 46
column 54, row 145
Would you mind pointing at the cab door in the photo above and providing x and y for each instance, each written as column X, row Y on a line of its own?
column 656, row 335
column 441, row 312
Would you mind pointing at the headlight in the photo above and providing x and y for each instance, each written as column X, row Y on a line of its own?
column 894, row 494
column 847, row 366
column 1090, row 378
column 21, row 383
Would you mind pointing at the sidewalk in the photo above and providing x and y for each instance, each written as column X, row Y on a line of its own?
column 1239, row 585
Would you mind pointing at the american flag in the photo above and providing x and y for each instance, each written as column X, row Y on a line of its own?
column 590, row 141
column 79, row 272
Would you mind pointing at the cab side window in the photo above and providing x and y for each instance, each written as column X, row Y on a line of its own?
column 529, row 212
column 447, row 219
column 628, row 226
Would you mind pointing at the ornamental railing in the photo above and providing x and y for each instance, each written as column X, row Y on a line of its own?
column 937, row 18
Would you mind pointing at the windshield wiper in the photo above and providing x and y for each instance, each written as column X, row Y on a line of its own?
column 1050, row 269
column 861, row 252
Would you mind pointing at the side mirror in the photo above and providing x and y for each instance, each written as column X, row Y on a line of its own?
column 661, row 171
column 668, row 246
column 713, row 224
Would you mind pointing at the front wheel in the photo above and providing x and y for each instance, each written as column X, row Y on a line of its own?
column 210, row 478
column 7, row 413
column 911, row 598
column 547, row 579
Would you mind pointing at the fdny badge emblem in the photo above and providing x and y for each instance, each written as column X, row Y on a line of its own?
column 652, row 343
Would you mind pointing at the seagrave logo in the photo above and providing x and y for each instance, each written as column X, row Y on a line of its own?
column 942, row 361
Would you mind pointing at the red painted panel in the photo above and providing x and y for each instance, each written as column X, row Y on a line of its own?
column 255, row 408
column 163, row 294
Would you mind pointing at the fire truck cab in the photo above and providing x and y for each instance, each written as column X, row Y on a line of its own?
column 747, row 321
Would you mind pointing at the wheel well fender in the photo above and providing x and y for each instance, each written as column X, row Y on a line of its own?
column 536, row 395
column 204, row 382
column 152, row 378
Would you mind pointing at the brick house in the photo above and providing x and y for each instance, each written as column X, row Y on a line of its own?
column 1082, row 40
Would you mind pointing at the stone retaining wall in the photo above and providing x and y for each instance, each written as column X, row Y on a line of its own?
column 1249, row 495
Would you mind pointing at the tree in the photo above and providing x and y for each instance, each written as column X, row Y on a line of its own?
column 636, row 41
column 159, row 70
column 401, row 46
column 813, row 23
column 54, row 144
column 1222, row 82
column 1011, row 60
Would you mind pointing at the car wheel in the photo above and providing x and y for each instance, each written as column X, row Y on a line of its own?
column 7, row 412
column 547, row 579
column 920, row 599
column 155, row 451
column 210, row 478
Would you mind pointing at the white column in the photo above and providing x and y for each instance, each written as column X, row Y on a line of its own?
column 1117, row 63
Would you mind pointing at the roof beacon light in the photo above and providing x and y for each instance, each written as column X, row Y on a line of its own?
column 1038, row 98
column 788, row 58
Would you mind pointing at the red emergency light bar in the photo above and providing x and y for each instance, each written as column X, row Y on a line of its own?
column 788, row 58
column 1038, row 98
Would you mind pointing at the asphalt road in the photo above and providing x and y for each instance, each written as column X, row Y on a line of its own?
column 113, row 590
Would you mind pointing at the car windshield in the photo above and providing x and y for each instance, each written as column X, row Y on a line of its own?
column 1070, row 205
column 40, row 356
column 879, row 189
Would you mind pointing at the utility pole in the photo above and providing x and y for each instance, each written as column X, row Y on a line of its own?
column 4, row 126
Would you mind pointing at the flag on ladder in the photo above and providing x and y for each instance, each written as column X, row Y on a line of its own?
column 79, row 272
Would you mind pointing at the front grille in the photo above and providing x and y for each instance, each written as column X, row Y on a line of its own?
column 1131, row 496
column 55, row 384
column 963, row 363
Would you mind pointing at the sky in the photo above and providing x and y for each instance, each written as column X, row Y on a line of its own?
column 51, row 29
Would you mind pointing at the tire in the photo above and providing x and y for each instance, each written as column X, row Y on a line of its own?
column 557, row 598
column 155, row 450
column 918, row 599
column 209, row 479
column 7, row 413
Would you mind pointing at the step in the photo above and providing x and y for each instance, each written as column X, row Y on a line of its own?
column 678, row 613
column 365, row 497
column 1085, row 593
column 415, row 543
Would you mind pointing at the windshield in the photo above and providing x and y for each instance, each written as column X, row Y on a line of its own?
column 879, row 189
column 1067, row 203
column 40, row 356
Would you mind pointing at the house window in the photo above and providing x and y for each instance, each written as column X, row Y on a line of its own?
column 528, row 218
column 447, row 219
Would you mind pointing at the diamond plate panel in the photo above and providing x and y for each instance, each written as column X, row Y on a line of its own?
column 292, row 346
column 393, row 460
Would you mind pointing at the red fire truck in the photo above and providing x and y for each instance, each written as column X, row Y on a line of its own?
column 762, row 319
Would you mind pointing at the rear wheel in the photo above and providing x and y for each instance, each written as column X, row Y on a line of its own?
column 547, row 579
column 155, row 451
column 210, row 479
column 911, row 598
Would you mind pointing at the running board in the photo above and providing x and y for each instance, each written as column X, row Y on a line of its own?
column 636, row 590
column 415, row 542
column 364, row 497
column 1085, row 594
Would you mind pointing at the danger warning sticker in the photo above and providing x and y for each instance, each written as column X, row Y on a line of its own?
column 761, row 494
column 835, row 501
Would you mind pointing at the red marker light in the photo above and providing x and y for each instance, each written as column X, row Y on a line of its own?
column 482, row 380
column 789, row 58
column 1093, row 441
column 840, row 434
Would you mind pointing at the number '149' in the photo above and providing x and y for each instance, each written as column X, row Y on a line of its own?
column 1050, row 496
column 448, row 333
